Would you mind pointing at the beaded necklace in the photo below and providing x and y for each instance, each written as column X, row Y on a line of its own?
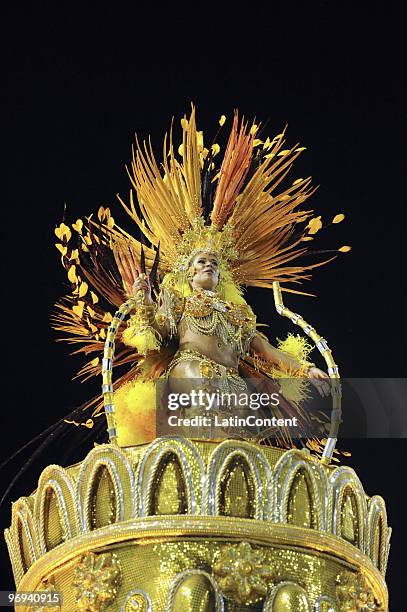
column 206, row 313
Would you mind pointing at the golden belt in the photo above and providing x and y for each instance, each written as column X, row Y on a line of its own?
column 210, row 369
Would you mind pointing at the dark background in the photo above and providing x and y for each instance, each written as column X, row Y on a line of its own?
column 79, row 85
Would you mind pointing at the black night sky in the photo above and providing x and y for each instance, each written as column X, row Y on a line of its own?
column 79, row 85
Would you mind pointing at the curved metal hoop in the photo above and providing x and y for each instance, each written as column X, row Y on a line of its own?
column 333, row 369
column 107, row 366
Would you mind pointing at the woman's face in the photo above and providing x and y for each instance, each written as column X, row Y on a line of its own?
column 206, row 271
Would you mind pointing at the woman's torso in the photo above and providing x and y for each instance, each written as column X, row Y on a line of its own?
column 216, row 328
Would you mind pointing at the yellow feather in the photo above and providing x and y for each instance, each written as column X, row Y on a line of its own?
column 135, row 404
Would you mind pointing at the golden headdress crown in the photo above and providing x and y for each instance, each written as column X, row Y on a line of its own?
column 209, row 239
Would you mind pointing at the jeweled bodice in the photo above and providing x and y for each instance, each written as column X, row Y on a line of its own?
column 206, row 313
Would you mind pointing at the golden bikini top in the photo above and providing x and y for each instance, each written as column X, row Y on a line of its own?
column 206, row 313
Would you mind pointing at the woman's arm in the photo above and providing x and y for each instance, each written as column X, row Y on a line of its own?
column 156, row 316
column 270, row 353
column 145, row 328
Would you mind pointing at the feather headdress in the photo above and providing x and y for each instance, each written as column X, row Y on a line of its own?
column 239, row 209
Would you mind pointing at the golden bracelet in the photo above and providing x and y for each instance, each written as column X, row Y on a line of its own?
column 306, row 367
column 144, row 317
column 145, row 313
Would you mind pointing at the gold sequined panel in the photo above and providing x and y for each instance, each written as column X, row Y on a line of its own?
column 301, row 510
column 161, row 571
column 54, row 534
column 169, row 494
column 103, row 499
column 237, row 492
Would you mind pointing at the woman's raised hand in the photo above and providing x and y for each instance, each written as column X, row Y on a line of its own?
column 141, row 286
column 320, row 380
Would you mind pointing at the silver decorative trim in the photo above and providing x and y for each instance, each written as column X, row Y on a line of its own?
column 269, row 477
column 138, row 592
column 176, row 445
column 329, row 448
column 296, row 467
column 179, row 578
column 295, row 457
column 215, row 472
column 96, row 461
column 57, row 474
column 24, row 525
column 186, row 471
column 108, row 463
column 340, row 479
column 322, row 346
column 327, row 599
column 377, row 510
column 44, row 485
column 61, row 499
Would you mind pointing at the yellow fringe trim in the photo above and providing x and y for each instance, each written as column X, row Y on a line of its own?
column 294, row 386
column 296, row 346
column 143, row 340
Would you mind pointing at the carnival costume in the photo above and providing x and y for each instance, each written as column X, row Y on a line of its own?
column 244, row 211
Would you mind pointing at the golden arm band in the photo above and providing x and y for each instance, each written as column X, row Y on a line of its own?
column 141, row 333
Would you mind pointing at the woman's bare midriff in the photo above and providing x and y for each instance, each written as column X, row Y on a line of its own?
column 210, row 346
column 189, row 370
